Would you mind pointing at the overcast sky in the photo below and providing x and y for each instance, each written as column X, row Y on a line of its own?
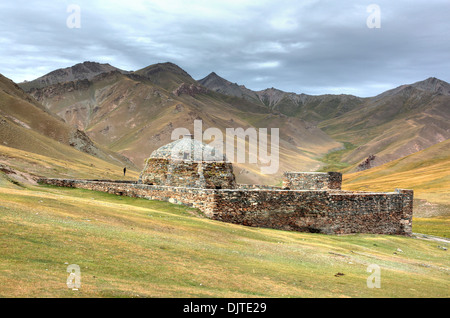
column 312, row 47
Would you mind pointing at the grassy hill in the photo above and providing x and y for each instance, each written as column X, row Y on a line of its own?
column 64, row 162
column 34, row 142
column 427, row 172
column 27, row 125
column 394, row 124
column 130, row 247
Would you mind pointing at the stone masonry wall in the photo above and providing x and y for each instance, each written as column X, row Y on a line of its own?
column 312, row 180
column 202, row 199
column 185, row 173
column 317, row 211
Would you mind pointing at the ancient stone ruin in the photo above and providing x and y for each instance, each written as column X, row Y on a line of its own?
column 306, row 202
column 188, row 162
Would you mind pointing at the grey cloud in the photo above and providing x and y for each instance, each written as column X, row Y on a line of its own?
column 313, row 47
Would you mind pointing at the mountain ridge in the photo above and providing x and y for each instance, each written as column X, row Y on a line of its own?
column 412, row 114
column 135, row 113
column 393, row 124
column 80, row 71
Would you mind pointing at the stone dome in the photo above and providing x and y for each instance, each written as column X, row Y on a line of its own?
column 188, row 148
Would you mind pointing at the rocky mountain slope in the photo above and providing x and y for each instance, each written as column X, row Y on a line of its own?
column 313, row 108
column 27, row 125
column 395, row 123
column 380, row 129
column 218, row 84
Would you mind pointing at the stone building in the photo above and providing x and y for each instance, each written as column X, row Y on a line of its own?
column 189, row 172
column 188, row 162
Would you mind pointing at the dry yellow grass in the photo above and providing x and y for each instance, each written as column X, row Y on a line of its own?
column 129, row 247
column 427, row 172
column 69, row 163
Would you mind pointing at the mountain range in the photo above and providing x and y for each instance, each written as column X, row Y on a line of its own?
column 134, row 114
column 386, row 127
column 126, row 115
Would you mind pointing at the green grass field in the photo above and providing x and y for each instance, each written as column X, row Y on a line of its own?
column 333, row 160
column 129, row 247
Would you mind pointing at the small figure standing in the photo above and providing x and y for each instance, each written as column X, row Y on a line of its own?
column 124, row 171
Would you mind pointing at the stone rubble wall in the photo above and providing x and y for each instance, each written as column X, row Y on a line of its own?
column 317, row 211
column 256, row 186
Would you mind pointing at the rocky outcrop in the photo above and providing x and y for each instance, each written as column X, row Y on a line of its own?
column 79, row 140
column 41, row 94
column 367, row 163
column 190, row 89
